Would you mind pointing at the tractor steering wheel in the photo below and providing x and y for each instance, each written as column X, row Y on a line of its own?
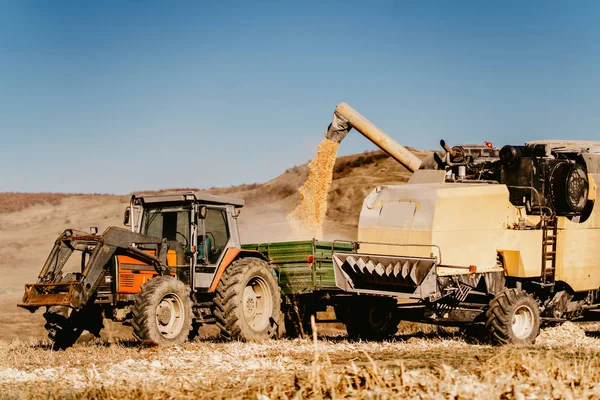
column 187, row 242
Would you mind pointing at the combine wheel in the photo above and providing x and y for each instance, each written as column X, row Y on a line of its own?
column 513, row 318
column 372, row 319
column 162, row 312
column 247, row 301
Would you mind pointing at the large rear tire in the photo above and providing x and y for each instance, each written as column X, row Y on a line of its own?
column 371, row 318
column 248, row 301
column 162, row 312
column 513, row 318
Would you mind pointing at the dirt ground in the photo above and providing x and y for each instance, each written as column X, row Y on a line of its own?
column 437, row 364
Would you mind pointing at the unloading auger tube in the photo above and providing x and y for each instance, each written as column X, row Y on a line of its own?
column 346, row 118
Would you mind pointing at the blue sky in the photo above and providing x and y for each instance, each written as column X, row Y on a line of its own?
column 115, row 97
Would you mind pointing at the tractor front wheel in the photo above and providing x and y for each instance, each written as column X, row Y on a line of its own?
column 248, row 301
column 62, row 326
column 65, row 325
column 162, row 312
column 513, row 318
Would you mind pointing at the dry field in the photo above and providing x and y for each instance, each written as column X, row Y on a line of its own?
column 564, row 363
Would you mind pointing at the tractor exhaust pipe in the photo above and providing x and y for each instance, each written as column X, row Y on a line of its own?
column 346, row 118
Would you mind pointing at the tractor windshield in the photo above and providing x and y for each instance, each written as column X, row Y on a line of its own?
column 171, row 223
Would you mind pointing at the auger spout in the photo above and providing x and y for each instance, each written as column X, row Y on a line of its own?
column 346, row 118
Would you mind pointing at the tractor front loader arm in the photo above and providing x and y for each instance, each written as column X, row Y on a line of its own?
column 75, row 290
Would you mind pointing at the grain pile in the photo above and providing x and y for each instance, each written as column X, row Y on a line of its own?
column 308, row 217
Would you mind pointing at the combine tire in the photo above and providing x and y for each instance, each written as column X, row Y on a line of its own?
column 371, row 319
column 162, row 312
column 513, row 318
column 247, row 301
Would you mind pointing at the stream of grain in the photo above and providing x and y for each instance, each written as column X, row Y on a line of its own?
column 307, row 219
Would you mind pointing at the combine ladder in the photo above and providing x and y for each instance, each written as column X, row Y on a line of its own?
column 549, row 237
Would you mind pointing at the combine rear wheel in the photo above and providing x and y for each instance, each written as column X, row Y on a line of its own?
column 248, row 301
column 513, row 318
column 162, row 312
column 371, row 318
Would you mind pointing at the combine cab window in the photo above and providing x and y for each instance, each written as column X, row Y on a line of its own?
column 217, row 233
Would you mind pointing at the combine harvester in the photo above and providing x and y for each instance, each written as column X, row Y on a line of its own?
column 502, row 239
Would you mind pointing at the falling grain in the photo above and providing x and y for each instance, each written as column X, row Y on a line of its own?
column 308, row 217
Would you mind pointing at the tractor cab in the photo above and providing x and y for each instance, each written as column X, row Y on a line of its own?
column 198, row 229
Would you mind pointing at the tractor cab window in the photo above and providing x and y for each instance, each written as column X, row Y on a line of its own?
column 217, row 233
column 172, row 224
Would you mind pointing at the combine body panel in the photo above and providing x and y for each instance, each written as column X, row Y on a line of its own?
column 456, row 218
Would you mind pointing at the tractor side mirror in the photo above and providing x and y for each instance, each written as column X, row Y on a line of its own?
column 127, row 217
column 202, row 212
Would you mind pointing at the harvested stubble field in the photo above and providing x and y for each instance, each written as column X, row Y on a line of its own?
column 564, row 363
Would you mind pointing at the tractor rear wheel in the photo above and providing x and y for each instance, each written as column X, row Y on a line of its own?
column 371, row 318
column 248, row 301
column 162, row 312
column 513, row 318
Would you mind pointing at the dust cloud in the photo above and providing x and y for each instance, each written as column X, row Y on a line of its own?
column 308, row 217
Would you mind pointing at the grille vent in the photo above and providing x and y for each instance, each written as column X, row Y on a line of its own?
column 126, row 280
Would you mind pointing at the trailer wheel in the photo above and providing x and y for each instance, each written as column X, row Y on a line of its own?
column 372, row 319
column 162, row 312
column 513, row 318
column 248, row 301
